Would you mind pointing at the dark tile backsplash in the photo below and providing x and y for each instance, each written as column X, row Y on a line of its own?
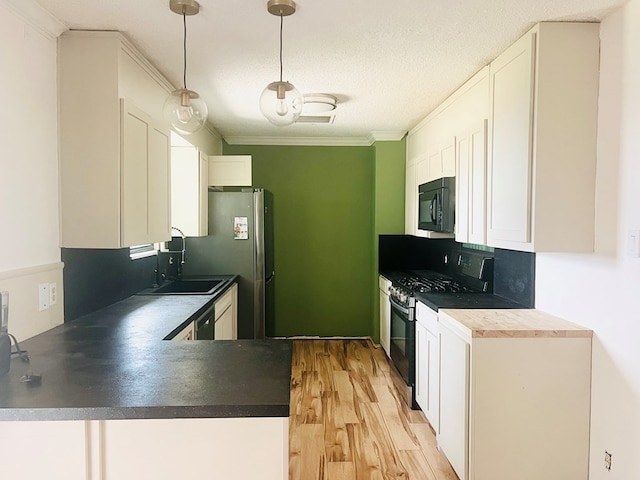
column 96, row 278
column 513, row 272
column 406, row 252
column 514, row 276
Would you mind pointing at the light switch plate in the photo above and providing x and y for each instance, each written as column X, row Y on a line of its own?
column 43, row 296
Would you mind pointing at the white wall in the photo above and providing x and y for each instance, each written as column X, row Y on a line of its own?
column 602, row 290
column 29, row 165
column 28, row 135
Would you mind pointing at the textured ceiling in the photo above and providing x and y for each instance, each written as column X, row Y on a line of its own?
column 388, row 63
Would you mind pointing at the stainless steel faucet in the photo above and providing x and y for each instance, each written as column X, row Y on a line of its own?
column 183, row 244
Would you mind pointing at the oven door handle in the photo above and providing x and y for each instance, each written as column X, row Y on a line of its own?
column 402, row 309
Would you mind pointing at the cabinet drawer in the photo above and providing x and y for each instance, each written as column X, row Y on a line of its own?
column 224, row 303
column 427, row 317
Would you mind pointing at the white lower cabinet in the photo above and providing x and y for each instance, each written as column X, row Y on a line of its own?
column 428, row 364
column 453, row 438
column 226, row 315
column 385, row 315
column 226, row 448
column 514, row 404
column 187, row 333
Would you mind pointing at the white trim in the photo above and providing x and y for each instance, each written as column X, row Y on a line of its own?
column 387, row 136
column 36, row 16
column 23, row 272
column 301, row 141
column 211, row 129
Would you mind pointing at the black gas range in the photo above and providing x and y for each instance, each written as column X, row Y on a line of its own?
column 436, row 290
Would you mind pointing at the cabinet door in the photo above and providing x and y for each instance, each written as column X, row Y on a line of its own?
column 226, row 315
column 224, row 325
column 144, row 178
column 433, row 380
column 411, row 201
column 463, row 169
column 159, row 199
column 422, row 172
column 434, row 166
column 453, row 438
column 134, row 166
column 230, row 170
column 188, row 333
column 477, row 211
column 448, row 159
column 385, row 322
column 510, row 162
column 471, row 168
column 422, row 367
column 203, row 202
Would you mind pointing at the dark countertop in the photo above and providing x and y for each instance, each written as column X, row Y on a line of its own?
column 114, row 364
column 438, row 300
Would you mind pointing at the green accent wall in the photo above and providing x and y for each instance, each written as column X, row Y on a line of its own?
column 330, row 204
column 388, row 207
column 323, row 221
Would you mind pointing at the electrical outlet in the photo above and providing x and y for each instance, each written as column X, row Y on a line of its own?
column 43, row 297
column 53, row 294
column 607, row 460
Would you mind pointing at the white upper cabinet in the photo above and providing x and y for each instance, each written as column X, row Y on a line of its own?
column 144, row 178
column 114, row 145
column 411, row 200
column 471, row 168
column 189, row 189
column 433, row 146
column 230, row 171
column 542, row 145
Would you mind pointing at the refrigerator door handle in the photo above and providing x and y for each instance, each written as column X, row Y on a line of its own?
column 270, row 277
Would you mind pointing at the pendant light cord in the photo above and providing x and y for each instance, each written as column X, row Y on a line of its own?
column 281, row 23
column 184, row 49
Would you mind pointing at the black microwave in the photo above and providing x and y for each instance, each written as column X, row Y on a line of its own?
column 436, row 205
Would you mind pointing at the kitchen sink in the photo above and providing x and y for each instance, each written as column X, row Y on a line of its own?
column 188, row 287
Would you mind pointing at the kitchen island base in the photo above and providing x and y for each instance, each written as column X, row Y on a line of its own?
column 229, row 448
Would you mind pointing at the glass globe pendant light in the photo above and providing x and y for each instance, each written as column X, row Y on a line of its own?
column 281, row 103
column 184, row 109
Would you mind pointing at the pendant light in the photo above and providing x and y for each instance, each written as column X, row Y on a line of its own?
column 184, row 109
column 281, row 102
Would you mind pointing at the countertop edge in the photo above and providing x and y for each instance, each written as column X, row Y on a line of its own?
column 142, row 413
column 531, row 324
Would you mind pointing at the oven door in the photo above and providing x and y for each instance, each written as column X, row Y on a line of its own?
column 403, row 341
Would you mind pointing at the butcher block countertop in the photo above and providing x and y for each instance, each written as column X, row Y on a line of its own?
column 511, row 323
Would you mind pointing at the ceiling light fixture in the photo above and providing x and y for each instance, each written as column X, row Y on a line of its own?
column 281, row 102
column 318, row 103
column 184, row 109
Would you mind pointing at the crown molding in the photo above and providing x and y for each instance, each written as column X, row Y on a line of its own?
column 302, row 141
column 387, row 136
column 36, row 16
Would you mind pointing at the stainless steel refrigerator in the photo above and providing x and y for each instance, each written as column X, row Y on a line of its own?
column 240, row 241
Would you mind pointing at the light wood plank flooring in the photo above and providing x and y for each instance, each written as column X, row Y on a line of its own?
column 349, row 422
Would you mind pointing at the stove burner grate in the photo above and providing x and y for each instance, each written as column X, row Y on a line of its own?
column 422, row 285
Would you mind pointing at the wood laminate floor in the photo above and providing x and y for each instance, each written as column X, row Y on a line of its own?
column 349, row 422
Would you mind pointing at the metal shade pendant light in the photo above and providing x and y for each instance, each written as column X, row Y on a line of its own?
column 281, row 103
column 184, row 109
